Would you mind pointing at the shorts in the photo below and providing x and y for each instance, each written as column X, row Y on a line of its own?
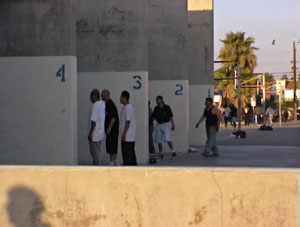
column 112, row 144
column 233, row 119
column 163, row 133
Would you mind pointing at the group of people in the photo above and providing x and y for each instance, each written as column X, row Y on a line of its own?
column 230, row 115
column 105, row 121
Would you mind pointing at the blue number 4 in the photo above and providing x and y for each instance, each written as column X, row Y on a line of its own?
column 61, row 73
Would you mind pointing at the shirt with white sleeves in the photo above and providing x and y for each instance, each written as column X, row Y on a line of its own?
column 98, row 116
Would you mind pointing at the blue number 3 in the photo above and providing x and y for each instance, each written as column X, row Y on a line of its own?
column 138, row 81
column 61, row 73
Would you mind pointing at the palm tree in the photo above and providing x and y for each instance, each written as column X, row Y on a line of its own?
column 237, row 48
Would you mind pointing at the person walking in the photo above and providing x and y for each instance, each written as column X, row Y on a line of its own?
column 111, row 127
column 213, row 119
column 151, row 130
column 96, row 134
column 128, row 130
column 165, row 124
column 247, row 116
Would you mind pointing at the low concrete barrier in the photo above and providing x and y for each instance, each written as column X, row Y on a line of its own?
column 89, row 196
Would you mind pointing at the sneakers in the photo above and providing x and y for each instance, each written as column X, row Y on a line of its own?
column 207, row 155
column 173, row 154
column 161, row 155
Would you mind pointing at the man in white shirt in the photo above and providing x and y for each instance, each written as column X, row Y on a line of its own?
column 128, row 130
column 97, row 132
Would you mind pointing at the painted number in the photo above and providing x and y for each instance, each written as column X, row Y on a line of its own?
column 61, row 73
column 138, row 81
column 179, row 90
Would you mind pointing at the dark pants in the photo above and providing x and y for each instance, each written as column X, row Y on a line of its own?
column 128, row 153
column 151, row 144
column 112, row 144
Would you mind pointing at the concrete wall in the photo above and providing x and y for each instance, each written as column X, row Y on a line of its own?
column 198, row 94
column 116, row 82
column 176, row 95
column 38, row 114
column 147, row 197
column 37, row 28
column 112, row 35
column 167, row 37
column 200, row 42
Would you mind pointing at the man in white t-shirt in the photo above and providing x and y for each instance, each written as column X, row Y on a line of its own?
column 128, row 130
column 97, row 132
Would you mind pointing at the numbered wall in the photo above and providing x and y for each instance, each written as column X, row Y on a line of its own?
column 176, row 95
column 38, row 115
column 116, row 82
column 198, row 94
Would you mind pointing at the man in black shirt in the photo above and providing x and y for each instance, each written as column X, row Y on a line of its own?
column 213, row 119
column 111, row 127
column 165, row 123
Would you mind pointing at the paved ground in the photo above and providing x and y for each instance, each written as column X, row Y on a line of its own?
column 279, row 148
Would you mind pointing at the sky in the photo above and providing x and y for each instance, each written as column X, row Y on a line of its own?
column 264, row 20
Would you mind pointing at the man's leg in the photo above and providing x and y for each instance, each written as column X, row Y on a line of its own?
column 210, row 141
column 159, row 138
column 151, row 145
column 95, row 152
column 215, row 149
column 125, row 152
column 132, row 161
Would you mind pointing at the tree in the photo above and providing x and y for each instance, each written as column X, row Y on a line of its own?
column 237, row 47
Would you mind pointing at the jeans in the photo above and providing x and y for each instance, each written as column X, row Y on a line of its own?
column 128, row 153
column 151, row 144
column 211, row 143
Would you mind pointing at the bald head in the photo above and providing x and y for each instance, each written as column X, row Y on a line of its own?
column 105, row 95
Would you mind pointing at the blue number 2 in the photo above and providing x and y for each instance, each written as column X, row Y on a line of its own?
column 138, row 81
column 180, row 89
column 61, row 73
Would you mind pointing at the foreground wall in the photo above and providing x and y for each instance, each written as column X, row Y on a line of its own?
column 38, row 117
column 45, row 196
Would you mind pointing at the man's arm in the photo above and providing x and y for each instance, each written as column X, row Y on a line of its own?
column 111, row 124
column 127, row 124
column 173, row 124
column 200, row 121
column 215, row 111
column 93, row 126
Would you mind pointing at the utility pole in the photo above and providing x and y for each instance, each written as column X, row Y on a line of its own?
column 295, row 85
column 239, row 96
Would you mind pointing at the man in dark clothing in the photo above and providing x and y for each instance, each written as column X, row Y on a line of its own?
column 111, row 127
column 233, row 114
column 213, row 119
column 165, row 123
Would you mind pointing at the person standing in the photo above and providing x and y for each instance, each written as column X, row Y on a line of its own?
column 270, row 112
column 165, row 123
column 128, row 130
column 233, row 114
column 111, row 127
column 213, row 119
column 227, row 116
column 247, row 116
column 97, row 133
column 151, row 130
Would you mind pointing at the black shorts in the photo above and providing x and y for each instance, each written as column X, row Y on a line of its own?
column 112, row 144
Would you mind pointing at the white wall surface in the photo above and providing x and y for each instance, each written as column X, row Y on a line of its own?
column 179, row 104
column 38, row 118
column 198, row 94
column 116, row 82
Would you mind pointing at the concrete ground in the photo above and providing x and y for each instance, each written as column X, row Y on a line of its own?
column 279, row 148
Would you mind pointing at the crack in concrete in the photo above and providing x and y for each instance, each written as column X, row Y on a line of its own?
column 221, row 195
